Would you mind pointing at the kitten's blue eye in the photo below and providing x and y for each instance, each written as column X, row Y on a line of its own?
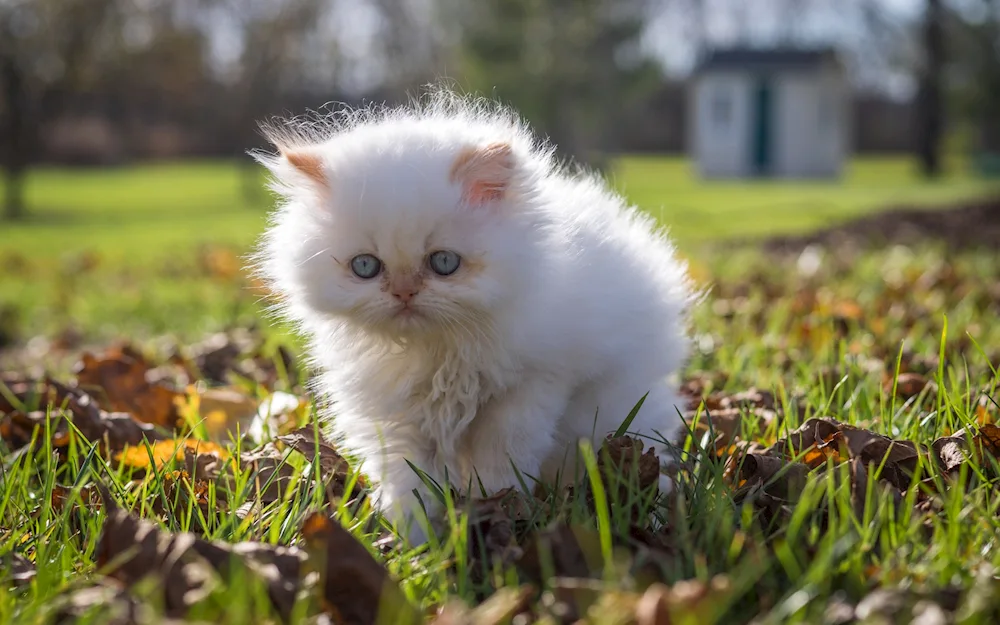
column 366, row 266
column 444, row 263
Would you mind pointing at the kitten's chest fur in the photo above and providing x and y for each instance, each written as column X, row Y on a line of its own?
column 436, row 392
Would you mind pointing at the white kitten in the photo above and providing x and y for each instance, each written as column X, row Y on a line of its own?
column 472, row 306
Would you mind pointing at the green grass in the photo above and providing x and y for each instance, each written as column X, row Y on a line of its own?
column 697, row 210
column 138, row 214
column 765, row 326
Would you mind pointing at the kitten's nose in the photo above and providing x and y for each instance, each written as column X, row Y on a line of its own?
column 405, row 294
column 404, row 286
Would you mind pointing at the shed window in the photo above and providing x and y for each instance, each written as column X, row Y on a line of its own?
column 721, row 109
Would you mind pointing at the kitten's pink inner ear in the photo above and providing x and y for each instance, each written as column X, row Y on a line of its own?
column 484, row 173
column 307, row 163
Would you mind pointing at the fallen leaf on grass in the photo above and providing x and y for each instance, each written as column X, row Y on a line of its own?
column 630, row 476
column 304, row 441
column 572, row 551
column 103, row 602
column 189, row 568
column 162, row 452
column 118, row 378
column 113, row 430
column 780, row 471
column 238, row 354
column 221, row 411
column 178, row 491
column 270, row 473
column 499, row 609
column 653, row 608
column 494, row 524
column 951, row 451
column 17, row 569
column 356, row 588
column 777, row 476
column 907, row 385
column 989, row 439
column 735, row 416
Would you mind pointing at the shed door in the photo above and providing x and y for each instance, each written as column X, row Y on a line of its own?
column 762, row 144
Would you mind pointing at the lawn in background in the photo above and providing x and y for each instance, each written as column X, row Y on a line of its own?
column 155, row 211
column 156, row 249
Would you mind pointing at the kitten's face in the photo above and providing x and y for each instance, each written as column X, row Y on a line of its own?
column 403, row 243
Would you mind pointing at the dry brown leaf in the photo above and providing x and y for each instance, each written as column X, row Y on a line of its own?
column 303, row 440
column 179, row 491
column 113, row 430
column 819, row 432
column 271, row 475
column 493, row 523
column 908, row 384
column 356, row 588
column 989, row 439
column 104, row 602
column 818, row 455
column 162, row 452
column 189, row 568
column 500, row 608
column 952, row 451
column 778, row 477
column 118, row 380
column 626, row 472
column 223, row 411
column 16, row 569
column 225, row 357
column 728, row 416
column 62, row 495
column 573, row 551
column 897, row 459
column 654, row 606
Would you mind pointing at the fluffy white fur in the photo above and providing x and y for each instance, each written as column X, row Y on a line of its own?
column 568, row 307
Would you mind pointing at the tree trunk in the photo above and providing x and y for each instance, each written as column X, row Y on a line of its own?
column 14, row 156
column 930, row 96
column 13, row 197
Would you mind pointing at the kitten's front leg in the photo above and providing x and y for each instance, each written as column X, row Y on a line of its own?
column 403, row 498
column 516, row 430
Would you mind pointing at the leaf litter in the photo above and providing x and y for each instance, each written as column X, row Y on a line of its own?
column 332, row 573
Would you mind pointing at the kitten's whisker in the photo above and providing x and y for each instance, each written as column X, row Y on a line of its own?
column 322, row 251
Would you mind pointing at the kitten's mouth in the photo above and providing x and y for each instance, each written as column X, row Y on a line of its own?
column 405, row 312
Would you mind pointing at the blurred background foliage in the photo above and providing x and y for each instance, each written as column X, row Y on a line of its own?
column 106, row 82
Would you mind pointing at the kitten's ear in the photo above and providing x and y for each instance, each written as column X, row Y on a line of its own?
column 485, row 173
column 307, row 163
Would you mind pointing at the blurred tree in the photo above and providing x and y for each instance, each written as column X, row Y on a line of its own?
column 412, row 42
column 48, row 49
column 569, row 66
column 930, row 92
column 277, row 49
column 976, row 61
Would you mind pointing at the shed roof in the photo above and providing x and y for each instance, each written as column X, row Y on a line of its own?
column 771, row 59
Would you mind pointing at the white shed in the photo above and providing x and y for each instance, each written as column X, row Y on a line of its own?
column 781, row 112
